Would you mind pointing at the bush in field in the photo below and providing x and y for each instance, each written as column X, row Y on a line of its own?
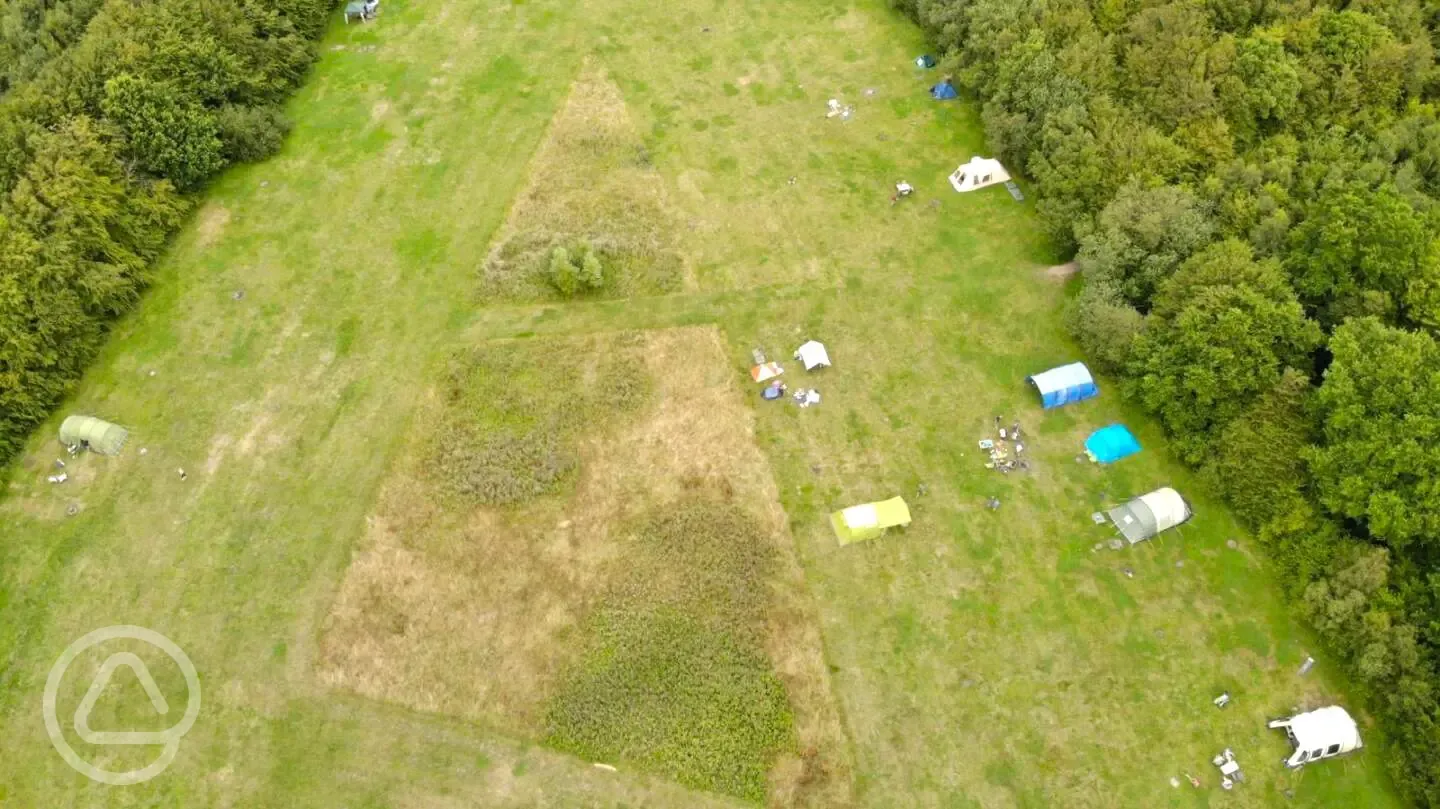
column 573, row 274
column 250, row 134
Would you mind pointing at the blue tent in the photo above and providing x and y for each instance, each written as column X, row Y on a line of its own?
column 1110, row 444
column 1066, row 384
column 944, row 91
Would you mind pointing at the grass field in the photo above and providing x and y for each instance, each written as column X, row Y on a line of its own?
column 985, row 659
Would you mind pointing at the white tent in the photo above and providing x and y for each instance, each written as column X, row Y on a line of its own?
column 1149, row 514
column 1320, row 734
column 978, row 173
column 813, row 355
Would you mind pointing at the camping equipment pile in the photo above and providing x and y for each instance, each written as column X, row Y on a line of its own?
column 811, row 354
column 1006, row 451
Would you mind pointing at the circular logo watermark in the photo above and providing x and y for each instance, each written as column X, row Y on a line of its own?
column 170, row 739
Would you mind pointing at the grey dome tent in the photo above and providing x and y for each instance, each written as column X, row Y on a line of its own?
column 92, row 433
column 1149, row 514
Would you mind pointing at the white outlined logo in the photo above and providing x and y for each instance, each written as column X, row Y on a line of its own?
column 169, row 738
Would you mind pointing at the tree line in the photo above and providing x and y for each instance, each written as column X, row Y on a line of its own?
column 112, row 113
column 1252, row 192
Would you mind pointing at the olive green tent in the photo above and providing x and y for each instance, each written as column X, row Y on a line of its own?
column 92, row 433
column 869, row 520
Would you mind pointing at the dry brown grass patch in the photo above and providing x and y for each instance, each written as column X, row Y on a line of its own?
column 591, row 183
column 477, row 612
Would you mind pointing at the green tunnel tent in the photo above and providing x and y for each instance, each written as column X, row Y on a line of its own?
column 94, row 434
column 869, row 520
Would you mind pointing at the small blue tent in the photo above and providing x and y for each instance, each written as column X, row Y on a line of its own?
column 944, row 91
column 1066, row 384
column 1110, row 444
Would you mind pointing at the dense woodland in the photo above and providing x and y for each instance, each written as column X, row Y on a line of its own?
column 1252, row 192
column 112, row 113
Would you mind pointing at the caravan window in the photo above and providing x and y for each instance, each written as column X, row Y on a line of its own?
column 1303, row 757
column 1316, row 754
column 1334, row 748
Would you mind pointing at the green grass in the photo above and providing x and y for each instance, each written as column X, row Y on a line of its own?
column 979, row 658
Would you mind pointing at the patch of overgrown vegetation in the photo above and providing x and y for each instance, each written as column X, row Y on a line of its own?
column 514, row 413
column 675, row 677
column 594, row 197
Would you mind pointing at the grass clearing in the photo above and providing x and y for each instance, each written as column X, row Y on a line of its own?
column 977, row 659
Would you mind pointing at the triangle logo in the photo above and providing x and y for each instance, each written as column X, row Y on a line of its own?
column 97, row 687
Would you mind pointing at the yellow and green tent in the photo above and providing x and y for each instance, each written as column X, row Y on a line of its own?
column 93, row 434
column 869, row 520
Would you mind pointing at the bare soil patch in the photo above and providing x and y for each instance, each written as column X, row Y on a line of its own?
column 1060, row 272
column 210, row 223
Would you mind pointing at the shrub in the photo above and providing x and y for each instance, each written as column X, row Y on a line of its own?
column 251, row 134
column 1105, row 325
column 592, row 275
column 564, row 275
column 571, row 276
column 166, row 131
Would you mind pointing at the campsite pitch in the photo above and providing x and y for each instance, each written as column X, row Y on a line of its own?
column 384, row 435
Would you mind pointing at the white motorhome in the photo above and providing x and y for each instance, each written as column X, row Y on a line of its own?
column 1323, row 733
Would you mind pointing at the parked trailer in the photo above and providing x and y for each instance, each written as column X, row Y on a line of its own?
column 1324, row 733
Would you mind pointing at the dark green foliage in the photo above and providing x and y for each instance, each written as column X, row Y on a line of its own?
column 675, row 676
column 250, row 134
column 1223, row 330
column 167, row 132
column 1141, row 237
column 513, row 418
column 1380, row 461
column 33, row 32
column 76, row 236
column 1105, row 325
column 1257, row 459
column 1356, row 241
column 105, row 109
